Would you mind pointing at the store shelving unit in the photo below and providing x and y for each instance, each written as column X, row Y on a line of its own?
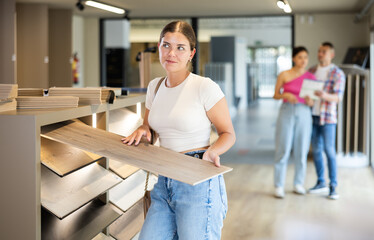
column 74, row 195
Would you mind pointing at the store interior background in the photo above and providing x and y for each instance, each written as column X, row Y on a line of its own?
column 39, row 37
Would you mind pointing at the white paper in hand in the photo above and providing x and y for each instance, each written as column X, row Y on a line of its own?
column 309, row 86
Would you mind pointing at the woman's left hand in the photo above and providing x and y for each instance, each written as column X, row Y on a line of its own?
column 212, row 156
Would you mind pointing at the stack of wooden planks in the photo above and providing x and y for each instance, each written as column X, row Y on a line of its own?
column 30, row 92
column 87, row 96
column 8, row 94
column 47, row 102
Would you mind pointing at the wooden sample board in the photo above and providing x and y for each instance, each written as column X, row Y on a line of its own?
column 62, row 196
column 129, row 224
column 145, row 156
column 121, row 169
column 130, row 190
column 86, row 95
column 8, row 105
column 83, row 224
column 47, row 102
column 30, row 92
column 8, row 91
column 64, row 159
column 102, row 236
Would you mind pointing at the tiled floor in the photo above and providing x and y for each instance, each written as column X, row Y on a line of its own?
column 255, row 214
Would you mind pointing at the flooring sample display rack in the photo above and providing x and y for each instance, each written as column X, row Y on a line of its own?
column 22, row 215
column 22, row 175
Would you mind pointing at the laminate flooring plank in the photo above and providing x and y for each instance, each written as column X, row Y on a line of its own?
column 129, row 224
column 62, row 196
column 102, row 236
column 83, row 224
column 64, row 159
column 130, row 190
column 145, row 156
column 121, row 169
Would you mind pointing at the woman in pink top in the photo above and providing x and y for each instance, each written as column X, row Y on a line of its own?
column 294, row 123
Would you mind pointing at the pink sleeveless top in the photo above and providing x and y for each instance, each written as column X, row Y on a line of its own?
column 294, row 86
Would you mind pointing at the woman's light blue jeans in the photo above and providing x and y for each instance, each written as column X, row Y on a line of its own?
column 293, row 133
column 184, row 212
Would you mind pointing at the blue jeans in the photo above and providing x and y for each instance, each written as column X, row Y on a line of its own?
column 293, row 132
column 323, row 139
column 181, row 211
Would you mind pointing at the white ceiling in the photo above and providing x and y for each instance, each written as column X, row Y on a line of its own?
column 205, row 8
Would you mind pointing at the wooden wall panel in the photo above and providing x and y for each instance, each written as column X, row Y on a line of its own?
column 60, row 47
column 7, row 39
column 32, row 45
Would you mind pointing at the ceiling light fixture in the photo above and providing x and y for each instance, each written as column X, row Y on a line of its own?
column 280, row 4
column 283, row 4
column 106, row 7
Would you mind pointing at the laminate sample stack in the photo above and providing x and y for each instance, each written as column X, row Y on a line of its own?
column 30, row 92
column 87, row 96
column 47, row 102
column 8, row 94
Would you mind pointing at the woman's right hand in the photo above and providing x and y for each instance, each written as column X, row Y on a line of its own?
column 290, row 98
column 136, row 136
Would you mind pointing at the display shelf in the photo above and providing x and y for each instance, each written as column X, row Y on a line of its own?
column 21, row 177
column 121, row 169
column 145, row 156
column 64, row 159
column 83, row 224
column 131, row 190
column 62, row 196
column 102, row 236
column 129, row 224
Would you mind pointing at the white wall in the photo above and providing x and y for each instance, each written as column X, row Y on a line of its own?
column 86, row 43
column 78, row 46
column 92, row 52
column 339, row 29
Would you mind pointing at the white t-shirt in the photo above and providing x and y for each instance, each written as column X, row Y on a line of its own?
column 321, row 74
column 178, row 114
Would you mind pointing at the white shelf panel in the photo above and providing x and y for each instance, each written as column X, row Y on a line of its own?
column 62, row 196
column 83, row 224
column 130, row 190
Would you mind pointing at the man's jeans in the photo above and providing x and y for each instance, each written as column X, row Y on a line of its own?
column 184, row 212
column 293, row 131
column 323, row 139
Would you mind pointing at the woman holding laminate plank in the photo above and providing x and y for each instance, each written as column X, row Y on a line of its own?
column 181, row 108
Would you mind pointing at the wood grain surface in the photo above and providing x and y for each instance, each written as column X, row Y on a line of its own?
column 102, row 236
column 129, row 224
column 121, row 169
column 83, row 224
column 62, row 196
column 64, row 159
column 145, row 156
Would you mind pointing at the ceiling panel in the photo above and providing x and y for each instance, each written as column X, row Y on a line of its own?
column 204, row 8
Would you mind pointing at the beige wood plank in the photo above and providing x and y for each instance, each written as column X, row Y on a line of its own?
column 83, row 224
column 121, row 169
column 102, row 236
column 130, row 190
column 30, row 92
column 62, row 196
column 154, row 159
column 64, row 159
column 129, row 224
